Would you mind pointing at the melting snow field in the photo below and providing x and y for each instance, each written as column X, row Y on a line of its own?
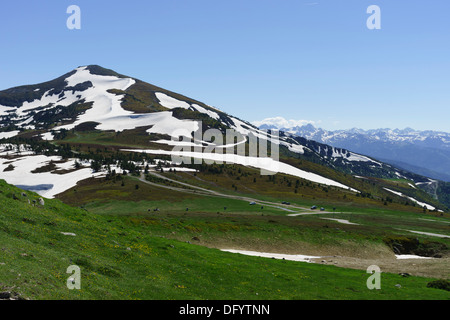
column 341, row 221
column 106, row 109
column 47, row 184
column 9, row 134
column 179, row 169
column 410, row 256
column 108, row 112
column 16, row 168
column 267, row 164
column 292, row 257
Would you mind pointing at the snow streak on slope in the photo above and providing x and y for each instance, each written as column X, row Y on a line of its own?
column 210, row 113
column 292, row 257
column 422, row 204
column 267, row 164
column 170, row 103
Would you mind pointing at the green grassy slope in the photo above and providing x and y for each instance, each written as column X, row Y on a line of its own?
column 126, row 261
column 223, row 222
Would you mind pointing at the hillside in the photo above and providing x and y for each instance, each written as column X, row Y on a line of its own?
column 96, row 118
column 134, row 257
column 90, row 177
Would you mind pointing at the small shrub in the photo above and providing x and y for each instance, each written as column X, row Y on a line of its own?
column 108, row 271
column 439, row 284
column 28, row 220
column 83, row 262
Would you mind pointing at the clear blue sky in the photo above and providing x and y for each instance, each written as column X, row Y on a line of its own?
column 299, row 59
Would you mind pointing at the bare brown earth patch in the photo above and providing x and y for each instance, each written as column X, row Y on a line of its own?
column 354, row 257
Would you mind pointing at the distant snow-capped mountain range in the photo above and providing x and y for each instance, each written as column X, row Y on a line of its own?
column 423, row 152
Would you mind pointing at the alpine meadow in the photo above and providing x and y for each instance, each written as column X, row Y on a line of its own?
column 115, row 188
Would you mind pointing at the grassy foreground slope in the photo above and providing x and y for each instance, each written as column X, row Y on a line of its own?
column 222, row 222
column 119, row 261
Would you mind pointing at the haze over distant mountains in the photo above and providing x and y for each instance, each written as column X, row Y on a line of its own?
column 423, row 152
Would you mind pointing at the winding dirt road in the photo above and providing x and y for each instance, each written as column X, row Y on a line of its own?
column 206, row 192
